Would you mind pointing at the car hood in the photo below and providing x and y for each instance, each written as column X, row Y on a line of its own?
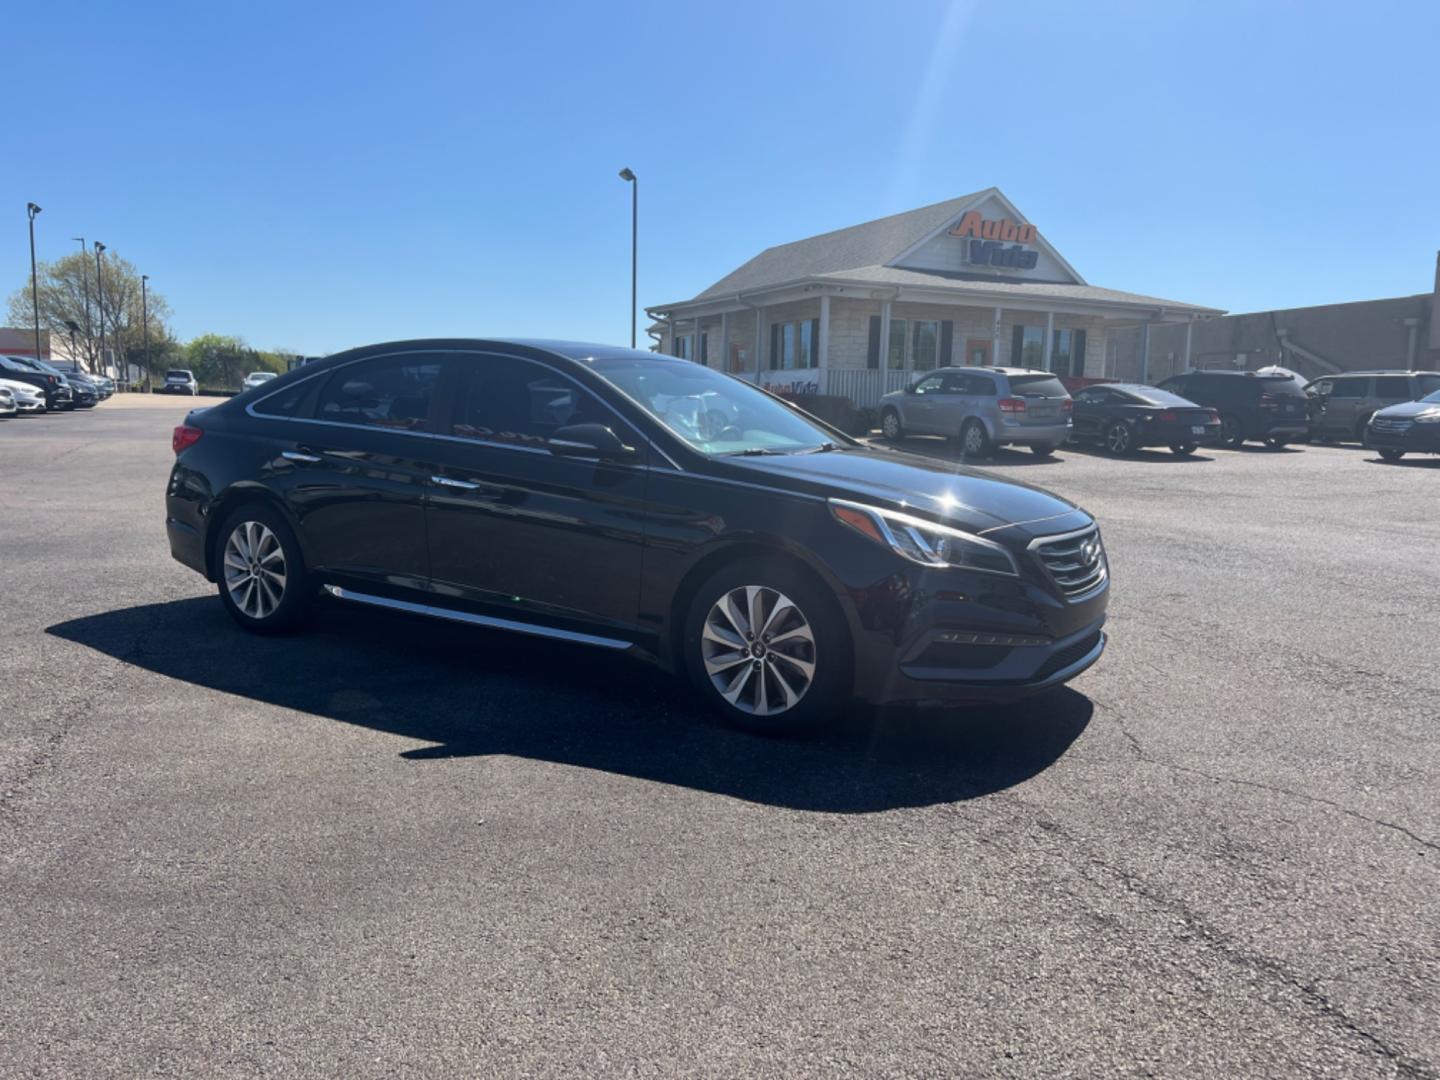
column 968, row 498
column 1408, row 410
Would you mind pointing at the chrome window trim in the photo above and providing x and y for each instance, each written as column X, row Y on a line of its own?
column 488, row 621
column 250, row 406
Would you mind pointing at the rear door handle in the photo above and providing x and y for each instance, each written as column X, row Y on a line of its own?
column 296, row 455
column 451, row 482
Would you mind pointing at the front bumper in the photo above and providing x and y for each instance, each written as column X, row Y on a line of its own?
column 1416, row 438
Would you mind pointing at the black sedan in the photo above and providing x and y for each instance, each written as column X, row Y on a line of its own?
column 55, row 387
column 638, row 503
column 1409, row 428
column 1123, row 417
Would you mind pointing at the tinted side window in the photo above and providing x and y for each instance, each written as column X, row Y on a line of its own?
column 1349, row 388
column 295, row 400
column 980, row 385
column 1393, row 387
column 520, row 403
column 389, row 392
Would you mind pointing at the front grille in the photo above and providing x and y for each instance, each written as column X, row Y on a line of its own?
column 1394, row 427
column 1075, row 561
column 1069, row 655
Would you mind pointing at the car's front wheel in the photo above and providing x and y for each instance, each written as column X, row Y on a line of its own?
column 1183, row 449
column 260, row 571
column 1391, row 454
column 1043, row 449
column 1276, row 442
column 765, row 647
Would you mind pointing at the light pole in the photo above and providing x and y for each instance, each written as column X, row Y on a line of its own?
column 32, row 210
column 629, row 178
column 85, row 283
column 145, row 322
column 100, row 304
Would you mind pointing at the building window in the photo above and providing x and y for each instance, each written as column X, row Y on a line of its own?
column 705, row 349
column 793, row 345
column 895, row 357
column 1028, row 347
column 926, row 345
column 680, row 347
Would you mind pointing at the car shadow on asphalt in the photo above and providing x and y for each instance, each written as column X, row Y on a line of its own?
column 948, row 450
column 1151, row 456
column 468, row 692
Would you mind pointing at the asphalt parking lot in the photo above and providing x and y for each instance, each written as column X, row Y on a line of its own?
column 390, row 848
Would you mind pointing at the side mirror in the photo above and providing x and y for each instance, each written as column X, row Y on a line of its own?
column 589, row 441
column 911, row 388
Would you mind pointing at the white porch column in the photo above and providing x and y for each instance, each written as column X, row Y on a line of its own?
column 995, row 340
column 822, row 347
column 1188, row 324
column 884, row 358
column 724, row 364
column 1049, row 341
column 759, row 340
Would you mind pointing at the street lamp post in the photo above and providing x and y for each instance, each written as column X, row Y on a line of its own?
column 145, row 323
column 85, row 284
column 629, row 177
column 32, row 210
column 100, row 304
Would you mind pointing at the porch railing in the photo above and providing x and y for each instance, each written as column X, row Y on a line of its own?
column 865, row 387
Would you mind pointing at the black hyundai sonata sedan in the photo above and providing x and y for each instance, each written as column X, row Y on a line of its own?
column 641, row 503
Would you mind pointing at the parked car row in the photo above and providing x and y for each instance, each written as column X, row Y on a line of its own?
column 987, row 407
column 37, row 386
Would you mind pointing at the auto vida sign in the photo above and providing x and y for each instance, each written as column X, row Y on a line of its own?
column 997, row 242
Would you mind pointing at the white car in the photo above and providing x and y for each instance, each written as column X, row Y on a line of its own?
column 7, row 402
column 179, row 381
column 257, row 378
column 28, row 398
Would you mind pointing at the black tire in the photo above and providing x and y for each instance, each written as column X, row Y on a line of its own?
column 891, row 429
column 1183, row 449
column 1276, row 442
column 1389, row 453
column 1118, row 438
column 975, row 440
column 829, row 651
column 294, row 592
column 1232, row 432
column 1043, row 450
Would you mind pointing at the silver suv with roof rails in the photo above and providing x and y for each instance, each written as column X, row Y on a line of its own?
column 1341, row 405
column 982, row 407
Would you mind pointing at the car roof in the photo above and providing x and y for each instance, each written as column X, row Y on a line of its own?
column 1376, row 371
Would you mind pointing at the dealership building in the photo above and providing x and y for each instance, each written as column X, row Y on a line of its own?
column 859, row 311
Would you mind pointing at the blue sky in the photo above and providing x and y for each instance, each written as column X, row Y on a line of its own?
column 324, row 175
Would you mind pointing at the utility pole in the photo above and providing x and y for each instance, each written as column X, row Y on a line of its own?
column 32, row 210
column 145, row 323
column 100, row 306
column 85, row 284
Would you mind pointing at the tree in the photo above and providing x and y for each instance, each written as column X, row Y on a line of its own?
column 220, row 361
column 70, row 307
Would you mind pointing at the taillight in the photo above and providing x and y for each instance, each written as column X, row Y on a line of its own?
column 1068, row 405
column 1012, row 404
column 1214, row 416
column 1269, row 401
column 183, row 436
column 1168, row 416
column 53, row 380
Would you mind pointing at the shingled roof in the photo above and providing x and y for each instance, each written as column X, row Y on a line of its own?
column 871, row 244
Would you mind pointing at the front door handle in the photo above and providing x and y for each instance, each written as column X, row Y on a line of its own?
column 451, row 482
column 296, row 455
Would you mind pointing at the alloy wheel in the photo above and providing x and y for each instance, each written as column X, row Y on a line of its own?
column 254, row 569
column 890, row 426
column 1117, row 439
column 974, row 441
column 758, row 650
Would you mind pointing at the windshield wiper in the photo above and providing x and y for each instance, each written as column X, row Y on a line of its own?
column 823, row 448
column 753, row 451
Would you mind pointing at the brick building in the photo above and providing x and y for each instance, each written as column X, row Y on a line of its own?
column 858, row 311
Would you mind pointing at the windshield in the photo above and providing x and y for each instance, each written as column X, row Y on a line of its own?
column 1155, row 396
column 713, row 412
column 1432, row 399
column 1429, row 385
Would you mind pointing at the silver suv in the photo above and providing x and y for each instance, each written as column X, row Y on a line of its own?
column 1341, row 405
column 179, row 381
column 983, row 407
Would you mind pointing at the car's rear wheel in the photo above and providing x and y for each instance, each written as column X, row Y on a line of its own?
column 765, row 647
column 1391, row 454
column 890, row 426
column 974, row 440
column 1231, row 431
column 1118, row 439
column 260, row 571
column 1183, row 449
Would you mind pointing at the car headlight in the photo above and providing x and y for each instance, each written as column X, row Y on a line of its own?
column 1429, row 416
column 924, row 542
